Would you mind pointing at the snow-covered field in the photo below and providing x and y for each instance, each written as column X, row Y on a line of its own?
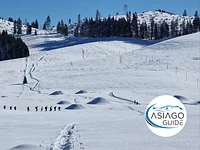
column 108, row 74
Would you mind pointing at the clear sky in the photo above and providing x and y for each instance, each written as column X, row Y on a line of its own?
column 65, row 9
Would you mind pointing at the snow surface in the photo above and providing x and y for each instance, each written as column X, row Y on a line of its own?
column 112, row 70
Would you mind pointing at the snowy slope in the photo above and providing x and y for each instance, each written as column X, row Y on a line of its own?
column 9, row 27
column 159, row 17
column 111, row 74
column 162, row 16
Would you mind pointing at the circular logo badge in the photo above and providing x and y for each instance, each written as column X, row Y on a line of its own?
column 165, row 116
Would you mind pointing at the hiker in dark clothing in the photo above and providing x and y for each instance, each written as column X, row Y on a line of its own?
column 46, row 108
column 10, row 107
column 28, row 109
column 36, row 108
column 55, row 108
column 42, row 108
column 59, row 108
column 4, row 107
column 50, row 108
column 15, row 108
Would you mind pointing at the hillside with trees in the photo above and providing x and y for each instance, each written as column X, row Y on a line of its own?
column 11, row 47
column 150, row 25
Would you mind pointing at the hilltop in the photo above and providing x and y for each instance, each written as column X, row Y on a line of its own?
column 158, row 16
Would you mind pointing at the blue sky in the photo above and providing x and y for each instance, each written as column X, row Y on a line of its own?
column 65, row 9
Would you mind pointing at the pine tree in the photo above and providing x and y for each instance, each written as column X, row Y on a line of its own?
column 48, row 23
column 79, row 20
column 164, row 30
column 25, row 80
column 70, row 21
column 76, row 31
column 65, row 30
column 33, row 24
column 36, row 24
column 10, row 19
column 15, row 27
column 98, row 16
column 189, row 27
column 59, row 27
column 184, row 31
column 134, row 25
column 28, row 29
column 45, row 26
column 155, row 32
column 62, row 25
column 176, row 27
column 172, row 29
column 196, row 22
column 161, row 31
column 143, row 30
column 19, row 26
column 152, row 28
column 185, row 13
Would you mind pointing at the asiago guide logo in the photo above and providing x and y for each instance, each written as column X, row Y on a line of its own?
column 165, row 116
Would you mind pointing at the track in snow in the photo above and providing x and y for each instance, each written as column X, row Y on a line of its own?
column 124, row 99
column 36, row 87
column 68, row 139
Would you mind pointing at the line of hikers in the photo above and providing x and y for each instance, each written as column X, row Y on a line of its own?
column 51, row 108
column 11, row 107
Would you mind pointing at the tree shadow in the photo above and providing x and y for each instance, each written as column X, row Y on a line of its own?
column 67, row 42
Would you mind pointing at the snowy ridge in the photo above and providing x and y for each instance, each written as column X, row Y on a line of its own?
column 144, row 16
column 159, row 17
column 9, row 27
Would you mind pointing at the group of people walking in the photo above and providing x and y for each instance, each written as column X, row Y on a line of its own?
column 37, row 108
column 51, row 108
column 10, row 107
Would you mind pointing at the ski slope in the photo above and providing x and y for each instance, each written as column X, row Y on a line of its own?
column 107, row 74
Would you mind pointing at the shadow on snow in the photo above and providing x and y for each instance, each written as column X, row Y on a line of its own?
column 52, row 45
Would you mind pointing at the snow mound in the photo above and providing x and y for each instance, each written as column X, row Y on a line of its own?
column 25, row 147
column 197, row 103
column 98, row 100
column 180, row 97
column 57, row 93
column 194, row 103
column 81, row 92
column 3, row 96
column 186, row 101
column 74, row 106
column 63, row 102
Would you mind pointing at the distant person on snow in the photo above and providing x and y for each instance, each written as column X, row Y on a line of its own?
column 135, row 102
column 15, row 108
column 28, row 109
column 46, row 108
column 36, row 108
column 55, row 108
column 4, row 107
column 59, row 108
column 42, row 108
column 50, row 108
column 10, row 107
